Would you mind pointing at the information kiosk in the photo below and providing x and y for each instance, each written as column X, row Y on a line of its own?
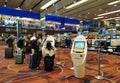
column 78, row 55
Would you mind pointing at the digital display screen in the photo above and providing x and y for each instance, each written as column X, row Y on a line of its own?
column 108, row 41
column 65, row 34
column 111, row 32
column 113, row 36
column 108, row 36
column 97, row 43
column 79, row 33
column 79, row 43
column 118, row 36
column 58, row 35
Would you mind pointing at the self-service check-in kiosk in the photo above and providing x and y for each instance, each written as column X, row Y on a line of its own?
column 78, row 55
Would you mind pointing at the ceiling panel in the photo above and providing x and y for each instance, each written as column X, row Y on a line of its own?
column 13, row 3
column 1, row 2
column 78, row 12
column 55, row 9
column 28, row 4
column 85, row 8
column 41, row 4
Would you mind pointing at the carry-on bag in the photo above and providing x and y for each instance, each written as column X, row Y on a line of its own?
column 8, row 52
column 19, row 59
column 33, row 61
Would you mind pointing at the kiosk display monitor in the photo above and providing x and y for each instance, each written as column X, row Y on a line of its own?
column 108, row 37
column 111, row 31
column 79, row 33
column 113, row 37
column 65, row 34
column 97, row 44
column 58, row 35
column 118, row 37
column 79, row 43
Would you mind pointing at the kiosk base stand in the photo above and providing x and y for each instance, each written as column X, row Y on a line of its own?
column 102, row 65
column 103, row 78
column 72, row 68
column 99, row 77
column 59, row 63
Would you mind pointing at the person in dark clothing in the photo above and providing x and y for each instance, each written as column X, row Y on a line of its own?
column 27, row 48
column 37, row 48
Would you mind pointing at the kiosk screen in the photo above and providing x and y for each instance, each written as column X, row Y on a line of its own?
column 108, row 37
column 79, row 33
column 65, row 34
column 58, row 35
column 79, row 44
column 118, row 37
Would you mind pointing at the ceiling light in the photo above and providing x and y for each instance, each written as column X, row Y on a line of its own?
column 75, row 4
column 100, row 9
column 30, row 10
column 98, row 17
column 18, row 8
column 109, row 13
column 48, row 4
column 115, row 5
column 111, row 18
column 4, row 5
column 114, row 2
column 42, row 19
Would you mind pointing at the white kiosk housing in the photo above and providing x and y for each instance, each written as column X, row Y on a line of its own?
column 78, row 55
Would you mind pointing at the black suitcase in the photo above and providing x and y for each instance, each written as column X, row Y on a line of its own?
column 48, row 63
column 33, row 61
column 19, row 59
column 8, row 52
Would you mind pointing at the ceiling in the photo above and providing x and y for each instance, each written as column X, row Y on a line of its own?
column 87, row 10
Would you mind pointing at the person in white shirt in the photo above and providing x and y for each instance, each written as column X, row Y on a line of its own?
column 33, row 37
column 49, row 50
column 49, row 55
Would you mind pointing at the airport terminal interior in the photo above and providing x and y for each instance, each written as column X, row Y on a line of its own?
column 59, row 41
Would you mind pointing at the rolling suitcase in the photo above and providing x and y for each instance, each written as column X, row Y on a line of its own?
column 8, row 52
column 33, row 61
column 19, row 59
column 48, row 63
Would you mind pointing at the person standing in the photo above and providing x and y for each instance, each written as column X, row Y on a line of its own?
column 48, row 55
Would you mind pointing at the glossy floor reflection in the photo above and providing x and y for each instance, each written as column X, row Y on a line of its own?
column 20, row 73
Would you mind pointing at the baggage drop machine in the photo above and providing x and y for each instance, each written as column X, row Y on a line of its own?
column 78, row 55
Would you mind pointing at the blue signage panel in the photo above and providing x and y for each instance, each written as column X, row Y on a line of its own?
column 61, row 19
column 19, row 13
